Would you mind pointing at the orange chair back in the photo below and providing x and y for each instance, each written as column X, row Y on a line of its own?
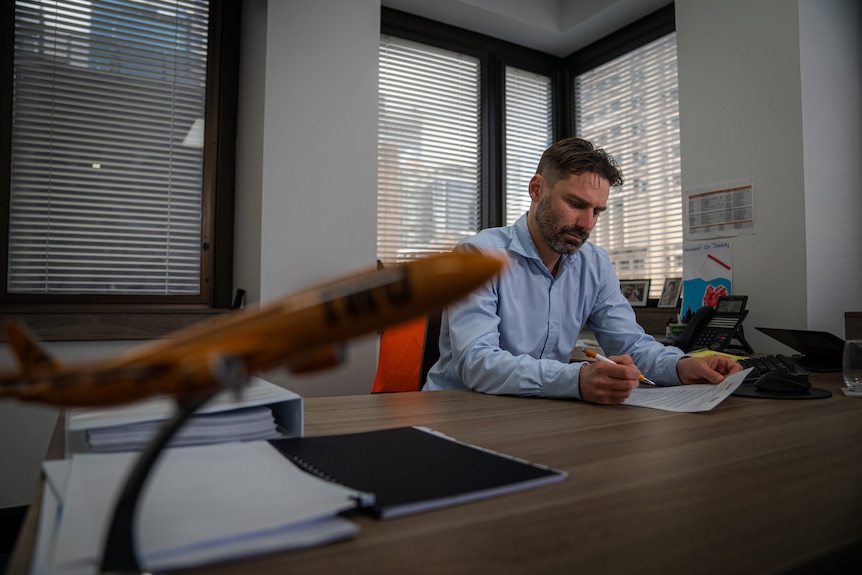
column 399, row 361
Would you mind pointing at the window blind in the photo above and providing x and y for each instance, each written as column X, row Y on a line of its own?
column 630, row 107
column 428, row 149
column 528, row 133
column 106, row 167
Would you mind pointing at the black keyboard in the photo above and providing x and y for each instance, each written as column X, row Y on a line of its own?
column 772, row 363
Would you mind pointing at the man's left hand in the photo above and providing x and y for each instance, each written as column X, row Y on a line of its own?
column 712, row 369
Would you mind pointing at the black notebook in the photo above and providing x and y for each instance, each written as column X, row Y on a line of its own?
column 413, row 469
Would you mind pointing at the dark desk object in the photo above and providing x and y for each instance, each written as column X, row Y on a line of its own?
column 654, row 319
column 853, row 325
column 752, row 486
column 413, row 470
column 817, row 350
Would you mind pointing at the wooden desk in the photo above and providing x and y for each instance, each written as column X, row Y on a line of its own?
column 753, row 486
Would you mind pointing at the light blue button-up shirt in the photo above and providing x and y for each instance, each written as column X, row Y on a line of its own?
column 516, row 334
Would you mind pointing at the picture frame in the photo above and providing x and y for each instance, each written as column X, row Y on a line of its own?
column 670, row 292
column 636, row 292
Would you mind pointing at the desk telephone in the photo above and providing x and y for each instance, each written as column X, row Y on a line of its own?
column 714, row 328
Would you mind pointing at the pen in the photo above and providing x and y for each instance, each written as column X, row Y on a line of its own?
column 600, row 357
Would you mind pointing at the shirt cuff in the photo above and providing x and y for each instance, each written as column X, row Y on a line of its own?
column 562, row 380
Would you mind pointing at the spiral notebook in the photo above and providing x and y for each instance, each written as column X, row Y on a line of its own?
column 413, row 469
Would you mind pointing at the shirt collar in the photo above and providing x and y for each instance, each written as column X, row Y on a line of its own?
column 522, row 243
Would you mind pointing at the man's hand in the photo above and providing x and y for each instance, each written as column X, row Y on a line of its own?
column 606, row 383
column 712, row 369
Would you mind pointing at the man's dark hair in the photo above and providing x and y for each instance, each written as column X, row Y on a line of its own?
column 574, row 156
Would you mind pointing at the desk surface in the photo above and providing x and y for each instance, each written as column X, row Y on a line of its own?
column 755, row 485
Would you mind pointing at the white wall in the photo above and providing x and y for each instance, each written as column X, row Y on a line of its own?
column 312, row 113
column 742, row 114
column 25, row 430
column 830, row 39
column 249, row 149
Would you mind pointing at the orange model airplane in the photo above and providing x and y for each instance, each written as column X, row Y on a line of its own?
column 299, row 331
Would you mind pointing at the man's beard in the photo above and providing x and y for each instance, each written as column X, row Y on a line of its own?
column 557, row 238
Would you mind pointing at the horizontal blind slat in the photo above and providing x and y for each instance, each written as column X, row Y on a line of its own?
column 105, row 196
column 629, row 106
column 528, row 130
column 428, row 149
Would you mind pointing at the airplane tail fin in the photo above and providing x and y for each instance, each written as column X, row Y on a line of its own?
column 33, row 360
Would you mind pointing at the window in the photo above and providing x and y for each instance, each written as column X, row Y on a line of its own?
column 620, row 93
column 463, row 119
column 629, row 106
column 529, row 130
column 428, row 149
column 112, row 187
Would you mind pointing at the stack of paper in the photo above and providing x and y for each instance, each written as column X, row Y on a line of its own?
column 201, row 505
column 261, row 410
column 244, row 424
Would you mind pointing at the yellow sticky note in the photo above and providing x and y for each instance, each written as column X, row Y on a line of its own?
column 709, row 352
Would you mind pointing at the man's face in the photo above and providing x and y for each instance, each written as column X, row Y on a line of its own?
column 566, row 213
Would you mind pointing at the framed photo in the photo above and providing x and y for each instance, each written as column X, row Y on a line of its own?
column 635, row 291
column 670, row 292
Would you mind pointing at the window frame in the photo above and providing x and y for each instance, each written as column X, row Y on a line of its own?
column 504, row 219
column 88, row 317
column 494, row 55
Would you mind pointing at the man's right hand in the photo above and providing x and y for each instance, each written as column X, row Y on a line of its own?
column 608, row 383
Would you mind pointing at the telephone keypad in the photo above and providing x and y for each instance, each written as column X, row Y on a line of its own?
column 717, row 332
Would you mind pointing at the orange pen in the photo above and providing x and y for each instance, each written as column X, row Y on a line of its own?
column 600, row 357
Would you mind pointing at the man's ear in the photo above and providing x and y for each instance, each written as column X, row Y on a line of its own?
column 535, row 187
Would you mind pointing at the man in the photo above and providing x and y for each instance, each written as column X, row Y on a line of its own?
column 516, row 334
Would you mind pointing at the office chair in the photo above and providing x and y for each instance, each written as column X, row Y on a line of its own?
column 407, row 352
column 431, row 345
column 399, row 360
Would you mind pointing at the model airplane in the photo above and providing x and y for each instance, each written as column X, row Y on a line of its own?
column 300, row 331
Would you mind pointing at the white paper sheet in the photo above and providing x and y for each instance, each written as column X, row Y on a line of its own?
column 687, row 398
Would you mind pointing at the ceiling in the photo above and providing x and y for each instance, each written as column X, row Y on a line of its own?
column 558, row 27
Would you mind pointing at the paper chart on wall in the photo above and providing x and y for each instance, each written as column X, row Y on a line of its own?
column 719, row 210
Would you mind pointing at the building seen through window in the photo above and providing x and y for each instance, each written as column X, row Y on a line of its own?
column 106, row 168
column 630, row 107
column 428, row 150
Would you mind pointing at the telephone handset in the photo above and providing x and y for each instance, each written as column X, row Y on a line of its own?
column 714, row 328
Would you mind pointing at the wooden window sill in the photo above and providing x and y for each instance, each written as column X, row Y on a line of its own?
column 98, row 324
